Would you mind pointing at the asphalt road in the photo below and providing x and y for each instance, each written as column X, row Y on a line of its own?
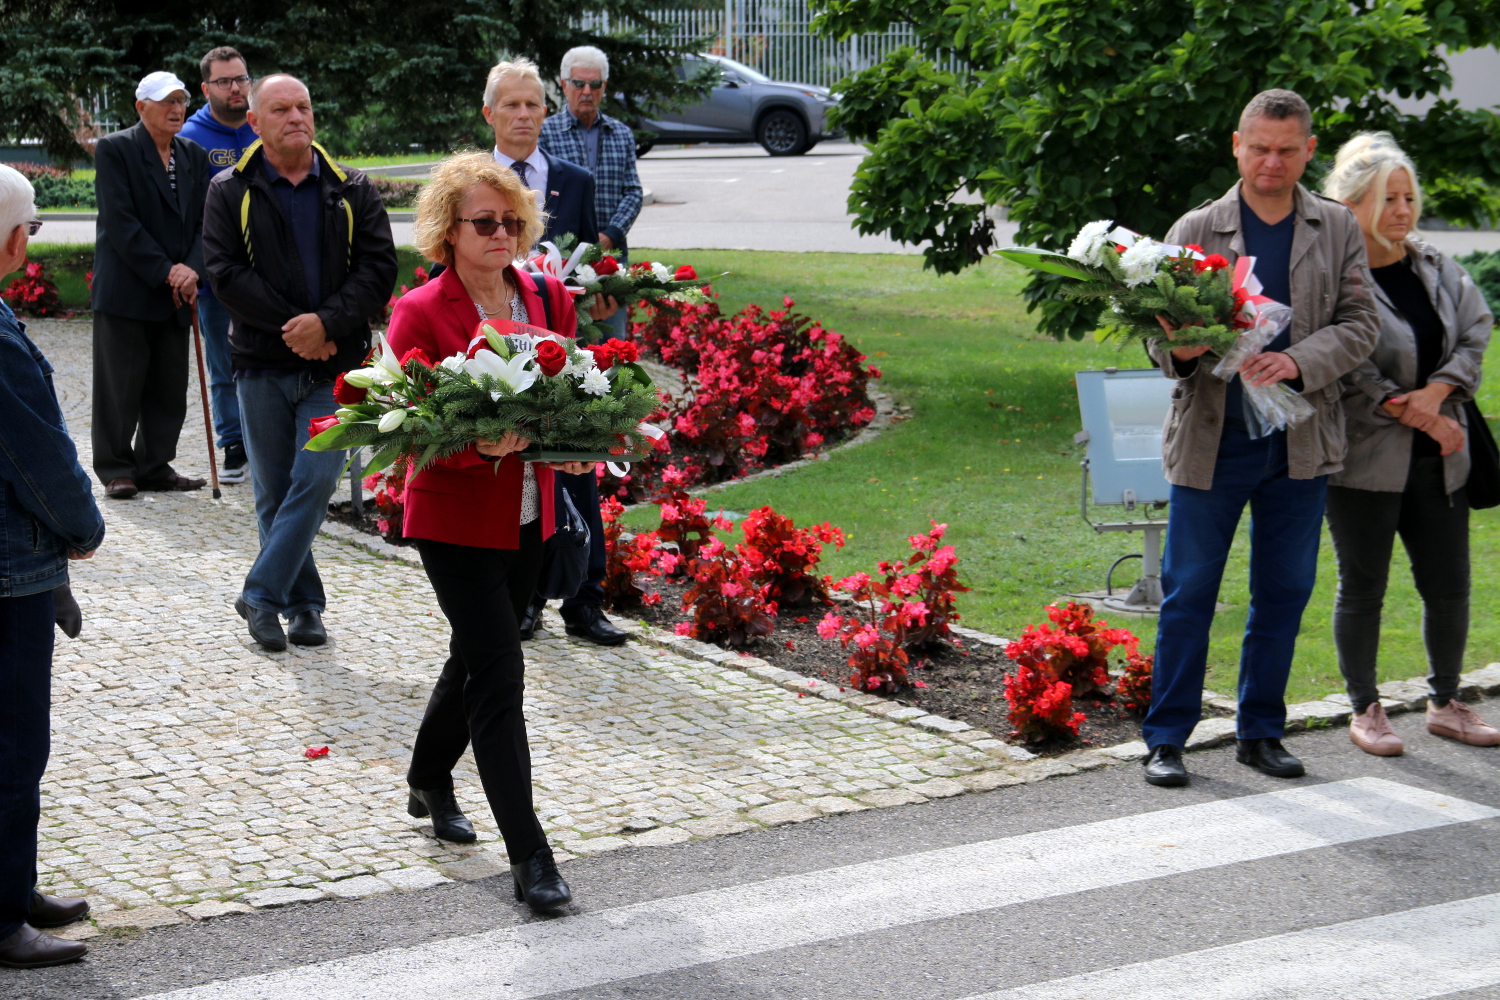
column 1371, row 878
column 740, row 198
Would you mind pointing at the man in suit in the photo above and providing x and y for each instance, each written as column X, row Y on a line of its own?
column 148, row 258
column 515, row 108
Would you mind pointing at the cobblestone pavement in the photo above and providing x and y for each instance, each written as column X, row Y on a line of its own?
column 178, row 782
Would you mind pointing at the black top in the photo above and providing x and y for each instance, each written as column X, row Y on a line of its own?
column 1403, row 286
column 1271, row 246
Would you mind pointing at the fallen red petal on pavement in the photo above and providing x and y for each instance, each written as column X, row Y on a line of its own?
column 313, row 753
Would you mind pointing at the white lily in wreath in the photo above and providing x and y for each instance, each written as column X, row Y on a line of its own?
column 511, row 372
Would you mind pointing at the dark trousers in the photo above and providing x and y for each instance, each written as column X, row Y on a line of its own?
column 1434, row 527
column 140, row 396
column 478, row 697
column 584, row 489
column 1286, row 516
column 25, row 740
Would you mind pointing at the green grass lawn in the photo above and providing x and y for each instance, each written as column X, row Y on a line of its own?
column 989, row 450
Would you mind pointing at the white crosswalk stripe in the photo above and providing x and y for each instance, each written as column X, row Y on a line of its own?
column 1419, row 953
column 660, row 936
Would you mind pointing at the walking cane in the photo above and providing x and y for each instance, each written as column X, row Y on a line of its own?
column 208, row 424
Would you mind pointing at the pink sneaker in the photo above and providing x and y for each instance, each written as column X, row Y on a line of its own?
column 1460, row 722
column 1371, row 731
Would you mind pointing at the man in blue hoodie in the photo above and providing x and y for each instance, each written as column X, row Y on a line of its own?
column 221, row 128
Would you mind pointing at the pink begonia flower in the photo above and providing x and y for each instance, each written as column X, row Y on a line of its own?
column 829, row 627
column 683, row 628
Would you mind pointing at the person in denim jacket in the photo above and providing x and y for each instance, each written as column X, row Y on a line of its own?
column 47, row 516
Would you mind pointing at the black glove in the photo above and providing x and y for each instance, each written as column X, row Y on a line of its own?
column 69, row 616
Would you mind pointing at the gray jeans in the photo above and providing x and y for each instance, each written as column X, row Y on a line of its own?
column 1434, row 528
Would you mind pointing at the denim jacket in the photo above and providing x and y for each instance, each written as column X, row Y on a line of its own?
column 46, row 505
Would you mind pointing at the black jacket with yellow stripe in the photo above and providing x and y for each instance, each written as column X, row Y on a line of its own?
column 256, row 272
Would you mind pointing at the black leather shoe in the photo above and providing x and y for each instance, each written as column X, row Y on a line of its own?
column 1164, row 766
column 539, row 884
column 29, row 948
column 53, row 911
column 265, row 627
column 1268, row 756
column 306, row 628
column 529, row 621
column 589, row 623
column 448, row 821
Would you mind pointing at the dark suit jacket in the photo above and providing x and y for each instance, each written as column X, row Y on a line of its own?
column 144, row 227
column 569, row 201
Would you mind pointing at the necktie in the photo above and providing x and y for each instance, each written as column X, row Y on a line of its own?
column 520, row 167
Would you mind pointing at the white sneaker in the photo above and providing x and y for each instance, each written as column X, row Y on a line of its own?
column 236, row 465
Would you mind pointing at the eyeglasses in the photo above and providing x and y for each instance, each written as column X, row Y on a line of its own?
column 487, row 227
column 587, row 84
column 230, row 82
column 33, row 226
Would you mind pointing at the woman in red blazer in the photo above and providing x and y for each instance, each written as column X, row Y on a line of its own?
column 480, row 516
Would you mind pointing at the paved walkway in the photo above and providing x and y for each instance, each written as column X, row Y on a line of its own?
column 178, row 781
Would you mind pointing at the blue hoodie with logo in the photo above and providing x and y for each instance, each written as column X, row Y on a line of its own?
column 225, row 146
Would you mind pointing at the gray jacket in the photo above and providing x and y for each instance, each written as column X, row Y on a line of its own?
column 1334, row 326
column 1379, row 444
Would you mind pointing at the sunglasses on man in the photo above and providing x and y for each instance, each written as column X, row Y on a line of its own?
column 32, row 227
column 487, row 227
column 587, row 84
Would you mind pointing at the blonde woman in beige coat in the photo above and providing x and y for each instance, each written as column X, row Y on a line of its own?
column 1408, row 458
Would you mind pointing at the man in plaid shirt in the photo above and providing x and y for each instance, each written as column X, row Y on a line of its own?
column 605, row 146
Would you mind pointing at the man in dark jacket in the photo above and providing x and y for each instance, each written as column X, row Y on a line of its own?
column 299, row 251
column 47, row 516
column 148, row 257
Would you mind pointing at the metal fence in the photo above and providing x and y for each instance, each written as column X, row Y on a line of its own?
column 776, row 38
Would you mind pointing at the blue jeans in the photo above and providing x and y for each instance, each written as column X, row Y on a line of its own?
column 213, row 320
column 1285, row 521
column 292, row 487
column 25, row 741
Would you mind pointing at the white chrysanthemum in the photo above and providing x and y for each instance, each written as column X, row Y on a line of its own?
column 455, row 363
column 1089, row 241
column 586, row 275
column 595, row 382
column 662, row 272
column 580, row 360
column 1141, row 262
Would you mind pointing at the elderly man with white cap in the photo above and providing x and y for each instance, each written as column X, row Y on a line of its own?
column 148, row 260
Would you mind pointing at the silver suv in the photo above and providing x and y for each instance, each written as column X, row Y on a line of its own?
column 787, row 119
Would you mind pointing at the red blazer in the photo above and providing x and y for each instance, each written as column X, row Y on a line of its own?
column 461, row 499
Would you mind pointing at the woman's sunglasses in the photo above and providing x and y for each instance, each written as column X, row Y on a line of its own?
column 487, row 227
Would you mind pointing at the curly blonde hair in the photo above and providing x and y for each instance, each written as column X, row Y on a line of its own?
column 438, row 204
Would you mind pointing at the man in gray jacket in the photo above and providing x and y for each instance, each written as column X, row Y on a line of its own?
column 1310, row 255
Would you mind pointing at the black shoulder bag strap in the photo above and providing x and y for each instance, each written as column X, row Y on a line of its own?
column 541, row 289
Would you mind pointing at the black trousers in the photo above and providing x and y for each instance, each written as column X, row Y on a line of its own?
column 584, row 489
column 478, row 696
column 25, row 741
column 140, row 396
column 1434, row 527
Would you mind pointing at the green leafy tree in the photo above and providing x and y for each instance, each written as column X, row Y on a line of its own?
column 1123, row 109
column 384, row 74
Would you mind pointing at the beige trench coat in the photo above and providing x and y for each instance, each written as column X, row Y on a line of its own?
column 1380, row 445
column 1334, row 327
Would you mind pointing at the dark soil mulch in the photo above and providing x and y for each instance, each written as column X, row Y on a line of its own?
column 342, row 511
column 965, row 683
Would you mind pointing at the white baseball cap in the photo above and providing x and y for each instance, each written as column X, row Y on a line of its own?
column 159, row 86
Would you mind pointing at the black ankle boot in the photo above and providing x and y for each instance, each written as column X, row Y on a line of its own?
column 538, row 882
column 448, row 821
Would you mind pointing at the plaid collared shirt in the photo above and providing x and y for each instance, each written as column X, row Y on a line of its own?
column 617, row 189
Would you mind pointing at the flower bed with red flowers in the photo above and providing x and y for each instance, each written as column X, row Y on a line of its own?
column 35, row 294
column 755, row 587
column 763, row 389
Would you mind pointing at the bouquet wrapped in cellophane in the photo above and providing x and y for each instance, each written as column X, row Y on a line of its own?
column 1209, row 303
column 589, row 271
column 573, row 402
